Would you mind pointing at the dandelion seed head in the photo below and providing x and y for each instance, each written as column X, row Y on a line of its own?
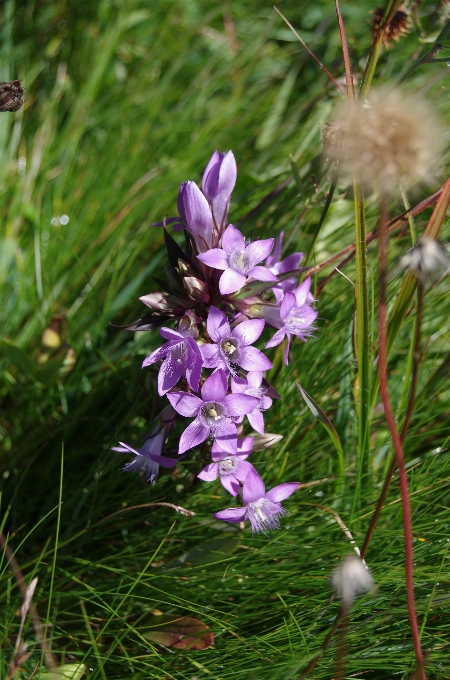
column 351, row 577
column 389, row 139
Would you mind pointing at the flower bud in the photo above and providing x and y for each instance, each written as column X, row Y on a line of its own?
column 351, row 577
column 159, row 302
column 261, row 442
column 196, row 289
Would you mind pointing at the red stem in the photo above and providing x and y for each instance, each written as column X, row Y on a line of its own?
column 398, row 448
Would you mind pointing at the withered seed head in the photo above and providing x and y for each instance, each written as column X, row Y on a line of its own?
column 330, row 140
column 11, row 96
column 398, row 27
column 392, row 138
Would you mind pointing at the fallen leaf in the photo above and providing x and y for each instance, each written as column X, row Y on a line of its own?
column 182, row 632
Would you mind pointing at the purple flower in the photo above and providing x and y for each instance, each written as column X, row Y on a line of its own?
column 196, row 214
column 252, row 386
column 262, row 509
column 297, row 317
column 215, row 413
column 278, row 266
column 148, row 458
column 218, row 183
column 231, row 469
column 182, row 356
column 238, row 260
column 231, row 347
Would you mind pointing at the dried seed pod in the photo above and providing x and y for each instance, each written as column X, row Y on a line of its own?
column 398, row 27
column 11, row 96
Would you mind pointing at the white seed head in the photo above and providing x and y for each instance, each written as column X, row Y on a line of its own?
column 393, row 137
column 351, row 577
column 427, row 260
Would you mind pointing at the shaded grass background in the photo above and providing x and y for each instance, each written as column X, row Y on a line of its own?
column 124, row 101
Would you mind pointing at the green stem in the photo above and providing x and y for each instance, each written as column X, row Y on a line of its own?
column 377, row 44
column 362, row 339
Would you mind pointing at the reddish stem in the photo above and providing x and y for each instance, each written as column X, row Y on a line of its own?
column 398, row 448
column 404, row 431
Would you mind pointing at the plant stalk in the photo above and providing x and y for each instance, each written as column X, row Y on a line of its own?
column 398, row 448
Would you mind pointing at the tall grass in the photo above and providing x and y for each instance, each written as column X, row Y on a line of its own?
column 124, row 101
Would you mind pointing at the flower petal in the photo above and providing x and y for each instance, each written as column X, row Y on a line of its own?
column 211, row 356
column 163, row 461
column 253, row 488
column 287, row 304
column 243, row 467
column 215, row 258
column 194, row 365
column 157, row 354
column 259, row 250
column 209, row 473
column 230, row 483
column 217, row 324
column 169, row 374
column 282, row 491
column 290, row 263
column 226, row 434
column 194, row 434
column 219, row 184
column 249, row 331
column 251, row 359
column 286, row 349
column 238, row 385
column 232, row 238
column 184, row 403
column 244, row 447
column 262, row 274
column 231, row 514
column 231, row 281
column 301, row 293
column 277, row 338
column 170, row 334
column 198, row 215
column 236, row 405
column 215, row 387
column 256, row 420
column 273, row 259
column 215, row 158
column 254, row 379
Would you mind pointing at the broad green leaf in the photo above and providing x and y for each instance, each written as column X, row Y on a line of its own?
column 18, row 357
column 68, row 671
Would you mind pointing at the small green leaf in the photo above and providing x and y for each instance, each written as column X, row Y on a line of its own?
column 68, row 671
column 18, row 357
column 328, row 425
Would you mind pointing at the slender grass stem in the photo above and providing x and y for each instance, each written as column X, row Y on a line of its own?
column 398, row 448
column 405, row 426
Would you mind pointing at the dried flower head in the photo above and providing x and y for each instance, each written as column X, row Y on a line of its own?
column 11, row 96
column 391, row 138
column 398, row 27
column 427, row 260
column 351, row 577
column 331, row 140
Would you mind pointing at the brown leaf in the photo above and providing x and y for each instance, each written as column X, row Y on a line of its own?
column 179, row 632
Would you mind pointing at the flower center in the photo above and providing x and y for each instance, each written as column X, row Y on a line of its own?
column 298, row 323
column 228, row 347
column 264, row 515
column 178, row 353
column 239, row 260
column 227, row 466
column 212, row 412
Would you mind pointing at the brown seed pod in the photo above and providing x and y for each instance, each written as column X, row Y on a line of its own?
column 398, row 27
column 11, row 96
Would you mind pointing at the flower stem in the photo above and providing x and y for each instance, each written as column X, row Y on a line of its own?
column 405, row 426
column 362, row 339
column 398, row 448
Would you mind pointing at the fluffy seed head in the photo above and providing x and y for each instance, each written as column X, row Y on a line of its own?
column 391, row 138
column 427, row 260
column 350, row 578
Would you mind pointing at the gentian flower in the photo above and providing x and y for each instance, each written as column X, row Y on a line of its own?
column 278, row 266
column 262, row 509
column 215, row 413
column 238, row 260
column 231, row 469
column 182, row 356
column 196, row 214
column 148, row 458
column 296, row 316
column 218, row 183
column 231, row 347
column 252, row 386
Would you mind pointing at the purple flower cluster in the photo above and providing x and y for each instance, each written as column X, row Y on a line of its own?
column 222, row 291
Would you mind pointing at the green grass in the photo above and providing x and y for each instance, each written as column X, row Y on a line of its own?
column 125, row 101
